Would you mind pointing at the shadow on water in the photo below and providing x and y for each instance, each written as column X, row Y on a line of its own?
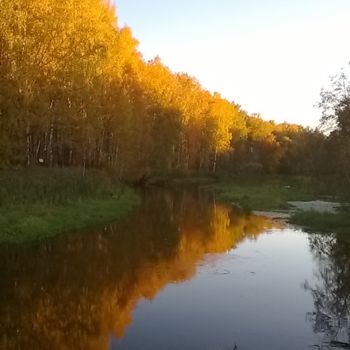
column 331, row 291
column 73, row 293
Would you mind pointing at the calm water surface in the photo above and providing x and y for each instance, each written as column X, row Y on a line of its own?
column 182, row 272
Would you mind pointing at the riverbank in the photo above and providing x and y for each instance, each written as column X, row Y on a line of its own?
column 314, row 221
column 277, row 195
column 43, row 203
column 269, row 192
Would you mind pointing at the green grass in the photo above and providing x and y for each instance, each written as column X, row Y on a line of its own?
column 53, row 186
column 268, row 192
column 40, row 204
column 274, row 193
column 324, row 222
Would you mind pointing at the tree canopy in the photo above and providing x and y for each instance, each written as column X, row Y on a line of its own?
column 75, row 91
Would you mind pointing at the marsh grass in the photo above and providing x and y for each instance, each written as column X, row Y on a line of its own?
column 324, row 222
column 53, row 186
column 42, row 203
column 269, row 192
column 274, row 193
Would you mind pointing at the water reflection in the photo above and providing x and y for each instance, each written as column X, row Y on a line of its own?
column 74, row 293
column 331, row 292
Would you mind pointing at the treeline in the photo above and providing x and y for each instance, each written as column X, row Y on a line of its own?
column 75, row 91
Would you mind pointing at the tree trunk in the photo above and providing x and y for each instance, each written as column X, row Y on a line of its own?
column 28, row 145
column 215, row 160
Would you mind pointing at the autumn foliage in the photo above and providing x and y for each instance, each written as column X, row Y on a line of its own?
column 75, row 91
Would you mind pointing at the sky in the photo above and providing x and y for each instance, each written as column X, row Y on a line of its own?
column 272, row 57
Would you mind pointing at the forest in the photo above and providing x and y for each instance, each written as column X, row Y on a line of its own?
column 76, row 92
column 121, row 179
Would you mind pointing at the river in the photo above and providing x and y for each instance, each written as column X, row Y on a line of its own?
column 181, row 272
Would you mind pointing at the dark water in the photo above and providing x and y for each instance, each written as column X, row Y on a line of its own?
column 182, row 272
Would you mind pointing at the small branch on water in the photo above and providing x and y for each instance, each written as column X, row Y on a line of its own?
column 338, row 344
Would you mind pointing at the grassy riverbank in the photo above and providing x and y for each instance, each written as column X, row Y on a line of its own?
column 269, row 192
column 42, row 203
column 273, row 193
column 324, row 222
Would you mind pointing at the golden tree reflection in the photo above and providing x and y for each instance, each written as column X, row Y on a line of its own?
column 74, row 293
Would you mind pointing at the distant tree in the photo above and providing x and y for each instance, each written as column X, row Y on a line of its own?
column 335, row 104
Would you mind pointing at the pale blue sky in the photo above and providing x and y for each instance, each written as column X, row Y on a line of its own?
column 270, row 56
